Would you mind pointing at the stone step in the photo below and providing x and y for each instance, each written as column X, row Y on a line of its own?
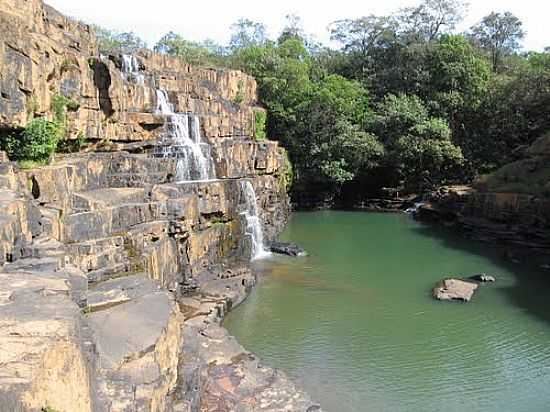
column 114, row 292
column 52, row 268
column 45, row 246
column 105, row 198
column 112, row 271
column 79, row 227
column 35, row 265
column 97, row 253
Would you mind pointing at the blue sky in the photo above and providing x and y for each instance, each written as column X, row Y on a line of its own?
column 198, row 20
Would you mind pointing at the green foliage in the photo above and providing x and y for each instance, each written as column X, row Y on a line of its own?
column 403, row 101
column 247, row 33
column 430, row 19
column 112, row 42
column 499, row 34
column 287, row 177
column 459, row 77
column 60, row 106
column 260, row 118
column 48, row 409
column 205, row 53
column 418, row 147
column 37, row 142
column 329, row 143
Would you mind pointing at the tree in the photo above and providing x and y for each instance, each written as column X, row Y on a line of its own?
column 293, row 28
column 114, row 42
column 358, row 35
column 419, row 149
column 246, row 33
column 361, row 39
column 430, row 19
column 499, row 34
column 459, row 78
column 204, row 53
column 513, row 113
column 329, row 145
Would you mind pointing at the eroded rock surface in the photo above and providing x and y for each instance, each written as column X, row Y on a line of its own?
column 115, row 274
column 454, row 289
column 224, row 376
column 289, row 249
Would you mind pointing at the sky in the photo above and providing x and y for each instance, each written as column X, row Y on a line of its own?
column 200, row 20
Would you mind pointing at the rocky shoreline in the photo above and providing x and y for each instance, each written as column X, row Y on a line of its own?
column 516, row 223
column 229, row 377
column 118, row 262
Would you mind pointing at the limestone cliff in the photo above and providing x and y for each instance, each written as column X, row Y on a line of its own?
column 114, row 272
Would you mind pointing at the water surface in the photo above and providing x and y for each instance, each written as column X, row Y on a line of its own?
column 355, row 325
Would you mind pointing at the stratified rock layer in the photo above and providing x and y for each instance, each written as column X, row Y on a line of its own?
column 114, row 275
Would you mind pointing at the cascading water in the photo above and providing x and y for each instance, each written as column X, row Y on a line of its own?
column 130, row 69
column 194, row 161
column 253, row 224
column 163, row 105
column 414, row 210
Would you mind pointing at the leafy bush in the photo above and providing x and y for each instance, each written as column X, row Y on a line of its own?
column 36, row 143
column 260, row 118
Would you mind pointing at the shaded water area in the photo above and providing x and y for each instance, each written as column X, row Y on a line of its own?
column 355, row 325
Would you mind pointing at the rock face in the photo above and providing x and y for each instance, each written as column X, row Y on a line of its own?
column 454, row 289
column 43, row 53
column 510, row 207
column 115, row 275
column 289, row 249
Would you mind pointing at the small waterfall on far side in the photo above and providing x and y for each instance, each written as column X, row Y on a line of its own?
column 413, row 210
column 253, row 224
column 130, row 70
column 194, row 161
column 163, row 105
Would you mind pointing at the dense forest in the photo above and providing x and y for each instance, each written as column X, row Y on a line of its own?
column 404, row 102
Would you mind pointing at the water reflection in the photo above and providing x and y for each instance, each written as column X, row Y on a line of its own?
column 355, row 324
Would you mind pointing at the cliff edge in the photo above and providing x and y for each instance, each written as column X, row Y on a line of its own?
column 118, row 263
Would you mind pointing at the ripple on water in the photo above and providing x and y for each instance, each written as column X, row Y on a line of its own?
column 355, row 323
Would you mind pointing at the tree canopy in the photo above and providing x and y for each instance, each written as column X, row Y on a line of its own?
column 403, row 100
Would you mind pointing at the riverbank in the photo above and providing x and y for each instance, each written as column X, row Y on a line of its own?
column 516, row 223
column 223, row 375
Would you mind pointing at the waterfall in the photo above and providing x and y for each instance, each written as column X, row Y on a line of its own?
column 130, row 69
column 163, row 105
column 414, row 210
column 194, row 160
column 253, row 224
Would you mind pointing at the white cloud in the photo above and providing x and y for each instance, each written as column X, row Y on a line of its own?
column 198, row 20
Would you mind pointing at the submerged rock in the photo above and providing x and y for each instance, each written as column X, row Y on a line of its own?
column 454, row 289
column 290, row 249
column 483, row 278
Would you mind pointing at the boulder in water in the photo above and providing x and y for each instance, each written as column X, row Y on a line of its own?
column 454, row 289
column 289, row 249
column 483, row 278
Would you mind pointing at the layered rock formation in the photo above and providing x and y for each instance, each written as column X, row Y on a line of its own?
column 510, row 206
column 115, row 274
